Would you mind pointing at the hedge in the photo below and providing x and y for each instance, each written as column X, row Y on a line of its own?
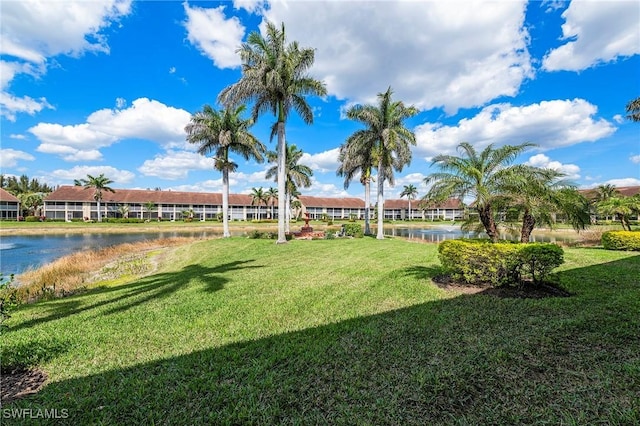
column 503, row 263
column 621, row 240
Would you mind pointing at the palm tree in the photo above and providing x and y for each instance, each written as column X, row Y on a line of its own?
column 358, row 156
column 603, row 193
column 123, row 209
column 387, row 139
column 149, row 206
column 481, row 176
column 99, row 184
column 538, row 194
column 621, row 208
column 296, row 175
column 633, row 108
column 221, row 132
column 258, row 196
column 272, row 197
column 274, row 78
column 411, row 192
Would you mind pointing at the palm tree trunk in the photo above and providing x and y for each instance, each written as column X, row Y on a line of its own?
column 486, row 217
column 367, row 203
column 287, row 209
column 225, row 203
column 528, row 223
column 100, row 213
column 380, row 234
column 409, row 209
column 282, row 157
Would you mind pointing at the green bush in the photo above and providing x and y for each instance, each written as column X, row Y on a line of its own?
column 503, row 263
column 32, row 219
column 353, row 230
column 621, row 240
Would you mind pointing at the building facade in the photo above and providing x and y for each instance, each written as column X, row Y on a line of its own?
column 9, row 206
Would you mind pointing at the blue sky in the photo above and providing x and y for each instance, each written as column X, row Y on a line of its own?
column 108, row 86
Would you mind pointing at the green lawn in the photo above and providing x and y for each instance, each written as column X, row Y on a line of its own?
column 336, row 331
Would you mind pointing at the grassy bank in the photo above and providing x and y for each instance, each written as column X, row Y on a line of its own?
column 342, row 331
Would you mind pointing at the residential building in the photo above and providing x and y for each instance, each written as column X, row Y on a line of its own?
column 9, row 206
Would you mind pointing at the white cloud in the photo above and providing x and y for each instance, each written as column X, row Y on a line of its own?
column 449, row 54
column 144, row 119
column 251, row 6
column 18, row 136
column 549, row 124
column 34, row 30
column 215, row 36
column 175, row 165
column 121, row 177
column 322, row 162
column 620, row 182
column 618, row 118
column 635, row 159
column 11, row 105
column 596, row 32
column 571, row 171
column 121, row 103
column 172, row 70
column 10, row 157
column 319, row 189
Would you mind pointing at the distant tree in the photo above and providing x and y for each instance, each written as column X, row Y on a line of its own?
column 411, row 192
column 23, row 185
column 123, row 209
column 150, row 206
column 258, row 196
column 633, row 108
column 620, row 207
column 99, row 184
column 274, row 77
column 223, row 132
column 30, row 203
column 272, row 197
column 388, row 138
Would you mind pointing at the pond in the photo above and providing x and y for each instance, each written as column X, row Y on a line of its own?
column 24, row 252
column 441, row 233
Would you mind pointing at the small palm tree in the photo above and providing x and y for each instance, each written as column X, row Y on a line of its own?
column 258, row 196
column 357, row 156
column 411, row 192
column 275, row 79
column 482, row 176
column 123, row 209
column 272, row 197
column 297, row 175
column 620, row 207
column 99, row 184
column 386, row 138
column 150, row 206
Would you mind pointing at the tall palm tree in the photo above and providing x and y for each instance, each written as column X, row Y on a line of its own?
column 99, row 184
column 222, row 132
column 296, row 175
column 388, row 139
column 275, row 79
column 258, row 196
column 633, row 108
column 482, row 176
column 357, row 156
column 411, row 192
column 272, row 197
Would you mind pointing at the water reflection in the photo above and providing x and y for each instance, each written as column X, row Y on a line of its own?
column 439, row 234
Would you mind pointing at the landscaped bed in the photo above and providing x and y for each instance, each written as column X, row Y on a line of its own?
column 335, row 331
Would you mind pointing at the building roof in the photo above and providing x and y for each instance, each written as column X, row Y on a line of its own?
column 127, row 196
column 399, row 204
column 625, row 191
column 7, row 196
column 329, row 202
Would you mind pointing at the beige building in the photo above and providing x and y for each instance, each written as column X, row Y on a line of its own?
column 9, row 206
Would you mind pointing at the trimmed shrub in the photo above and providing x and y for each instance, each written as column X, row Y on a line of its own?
column 32, row 219
column 621, row 240
column 503, row 263
column 353, row 230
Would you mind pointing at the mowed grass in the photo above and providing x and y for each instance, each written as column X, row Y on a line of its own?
column 243, row 331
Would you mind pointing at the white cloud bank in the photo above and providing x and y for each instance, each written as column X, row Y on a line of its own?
column 144, row 119
column 34, row 30
column 596, row 32
column 548, row 124
column 10, row 157
column 120, row 177
column 451, row 54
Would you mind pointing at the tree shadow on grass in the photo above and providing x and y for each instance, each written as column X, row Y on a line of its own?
column 147, row 289
column 467, row 360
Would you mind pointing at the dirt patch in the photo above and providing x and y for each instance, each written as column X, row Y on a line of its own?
column 18, row 384
column 526, row 290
